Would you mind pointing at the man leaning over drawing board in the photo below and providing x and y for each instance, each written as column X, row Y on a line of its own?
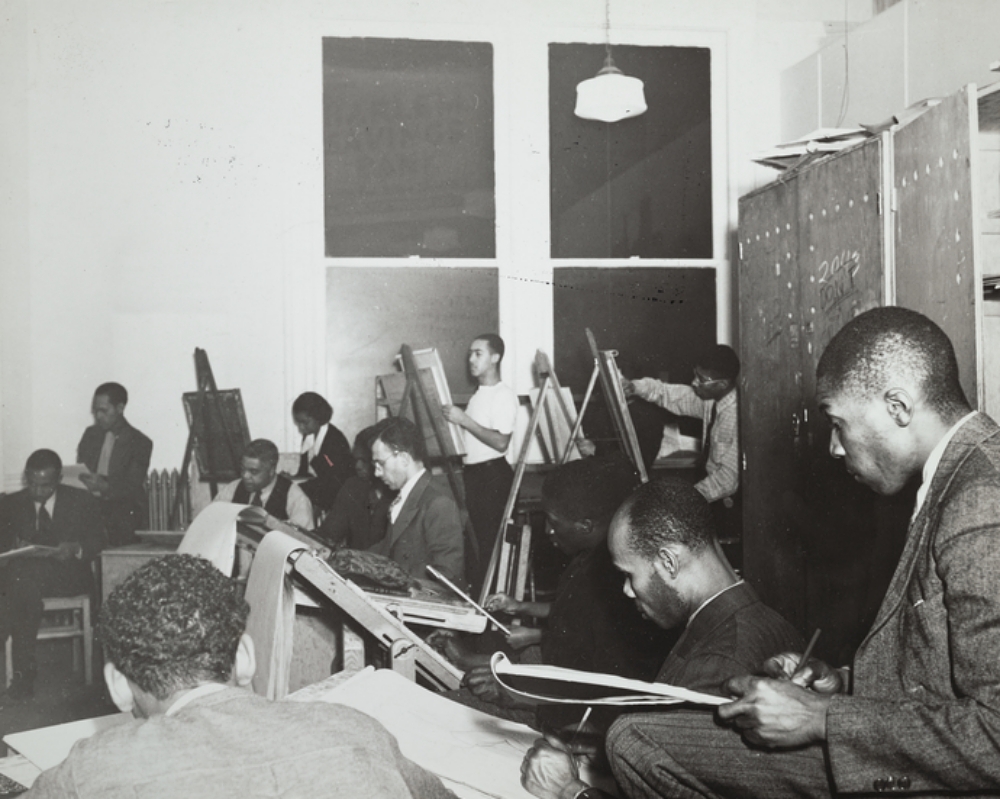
column 662, row 540
column 920, row 710
column 198, row 731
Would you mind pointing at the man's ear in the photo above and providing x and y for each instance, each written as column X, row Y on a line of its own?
column 246, row 661
column 119, row 688
column 667, row 563
column 899, row 403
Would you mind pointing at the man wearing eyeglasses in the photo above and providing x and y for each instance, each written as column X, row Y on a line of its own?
column 711, row 397
column 425, row 528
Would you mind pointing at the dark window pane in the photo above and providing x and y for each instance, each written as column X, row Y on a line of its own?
column 642, row 186
column 658, row 319
column 408, row 148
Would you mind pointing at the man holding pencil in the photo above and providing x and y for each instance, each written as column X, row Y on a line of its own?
column 662, row 540
column 921, row 712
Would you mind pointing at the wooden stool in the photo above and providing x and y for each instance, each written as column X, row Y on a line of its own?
column 77, row 627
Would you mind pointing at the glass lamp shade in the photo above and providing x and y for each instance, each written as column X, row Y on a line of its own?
column 610, row 96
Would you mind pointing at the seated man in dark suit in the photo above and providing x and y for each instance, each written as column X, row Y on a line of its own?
column 117, row 456
column 425, row 527
column 328, row 461
column 261, row 485
column 663, row 542
column 46, row 514
column 197, row 731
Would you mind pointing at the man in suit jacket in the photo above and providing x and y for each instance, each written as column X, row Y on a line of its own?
column 425, row 527
column 663, row 542
column 45, row 513
column 117, row 456
column 922, row 711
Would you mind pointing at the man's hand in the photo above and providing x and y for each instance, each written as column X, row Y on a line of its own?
column 628, row 387
column 502, row 603
column 483, row 685
column 67, row 550
column 521, row 637
column 455, row 415
column 549, row 771
column 775, row 713
column 815, row 675
column 97, row 484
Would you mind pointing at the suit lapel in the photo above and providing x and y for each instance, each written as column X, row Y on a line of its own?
column 965, row 439
column 409, row 510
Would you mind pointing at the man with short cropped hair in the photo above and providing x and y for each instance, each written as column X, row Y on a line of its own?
column 178, row 657
column 662, row 541
column 713, row 398
column 488, row 422
column 425, row 528
column 262, row 486
column 920, row 710
column 117, row 456
column 67, row 526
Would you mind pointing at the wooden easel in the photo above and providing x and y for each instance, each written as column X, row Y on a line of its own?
column 208, row 399
column 427, row 415
column 513, row 570
column 614, row 395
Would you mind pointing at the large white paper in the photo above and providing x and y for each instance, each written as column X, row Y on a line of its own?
column 474, row 754
column 48, row 746
column 212, row 535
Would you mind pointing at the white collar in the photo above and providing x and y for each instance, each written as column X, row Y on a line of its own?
column 934, row 460
column 195, row 693
column 404, row 492
column 710, row 599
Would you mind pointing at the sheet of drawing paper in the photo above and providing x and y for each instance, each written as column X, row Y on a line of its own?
column 212, row 535
column 272, row 613
column 475, row 754
column 48, row 746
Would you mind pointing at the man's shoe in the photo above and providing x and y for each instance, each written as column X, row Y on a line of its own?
column 21, row 687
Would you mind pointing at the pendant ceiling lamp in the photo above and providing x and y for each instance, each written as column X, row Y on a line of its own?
column 610, row 96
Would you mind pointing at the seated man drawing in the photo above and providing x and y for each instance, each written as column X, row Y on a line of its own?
column 590, row 625
column 425, row 528
column 919, row 712
column 68, row 523
column 179, row 659
column 262, row 486
column 662, row 540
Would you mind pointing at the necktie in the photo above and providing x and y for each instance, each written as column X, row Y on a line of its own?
column 43, row 524
column 255, row 501
column 706, row 447
column 104, row 459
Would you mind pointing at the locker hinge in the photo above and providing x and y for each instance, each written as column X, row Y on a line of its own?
column 740, row 247
column 878, row 195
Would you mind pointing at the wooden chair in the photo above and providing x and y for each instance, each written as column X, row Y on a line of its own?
column 73, row 622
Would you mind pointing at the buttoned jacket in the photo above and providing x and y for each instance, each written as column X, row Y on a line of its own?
column 924, row 714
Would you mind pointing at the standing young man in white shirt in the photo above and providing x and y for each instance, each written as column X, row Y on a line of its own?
column 488, row 421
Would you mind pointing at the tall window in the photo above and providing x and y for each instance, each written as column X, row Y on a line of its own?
column 408, row 148
column 641, row 187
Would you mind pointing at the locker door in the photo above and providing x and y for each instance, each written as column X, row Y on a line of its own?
column 769, row 394
column 936, row 269
column 842, row 233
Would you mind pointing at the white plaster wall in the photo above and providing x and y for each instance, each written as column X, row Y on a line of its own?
column 162, row 188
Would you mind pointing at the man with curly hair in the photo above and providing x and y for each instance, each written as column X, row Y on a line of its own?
column 179, row 659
